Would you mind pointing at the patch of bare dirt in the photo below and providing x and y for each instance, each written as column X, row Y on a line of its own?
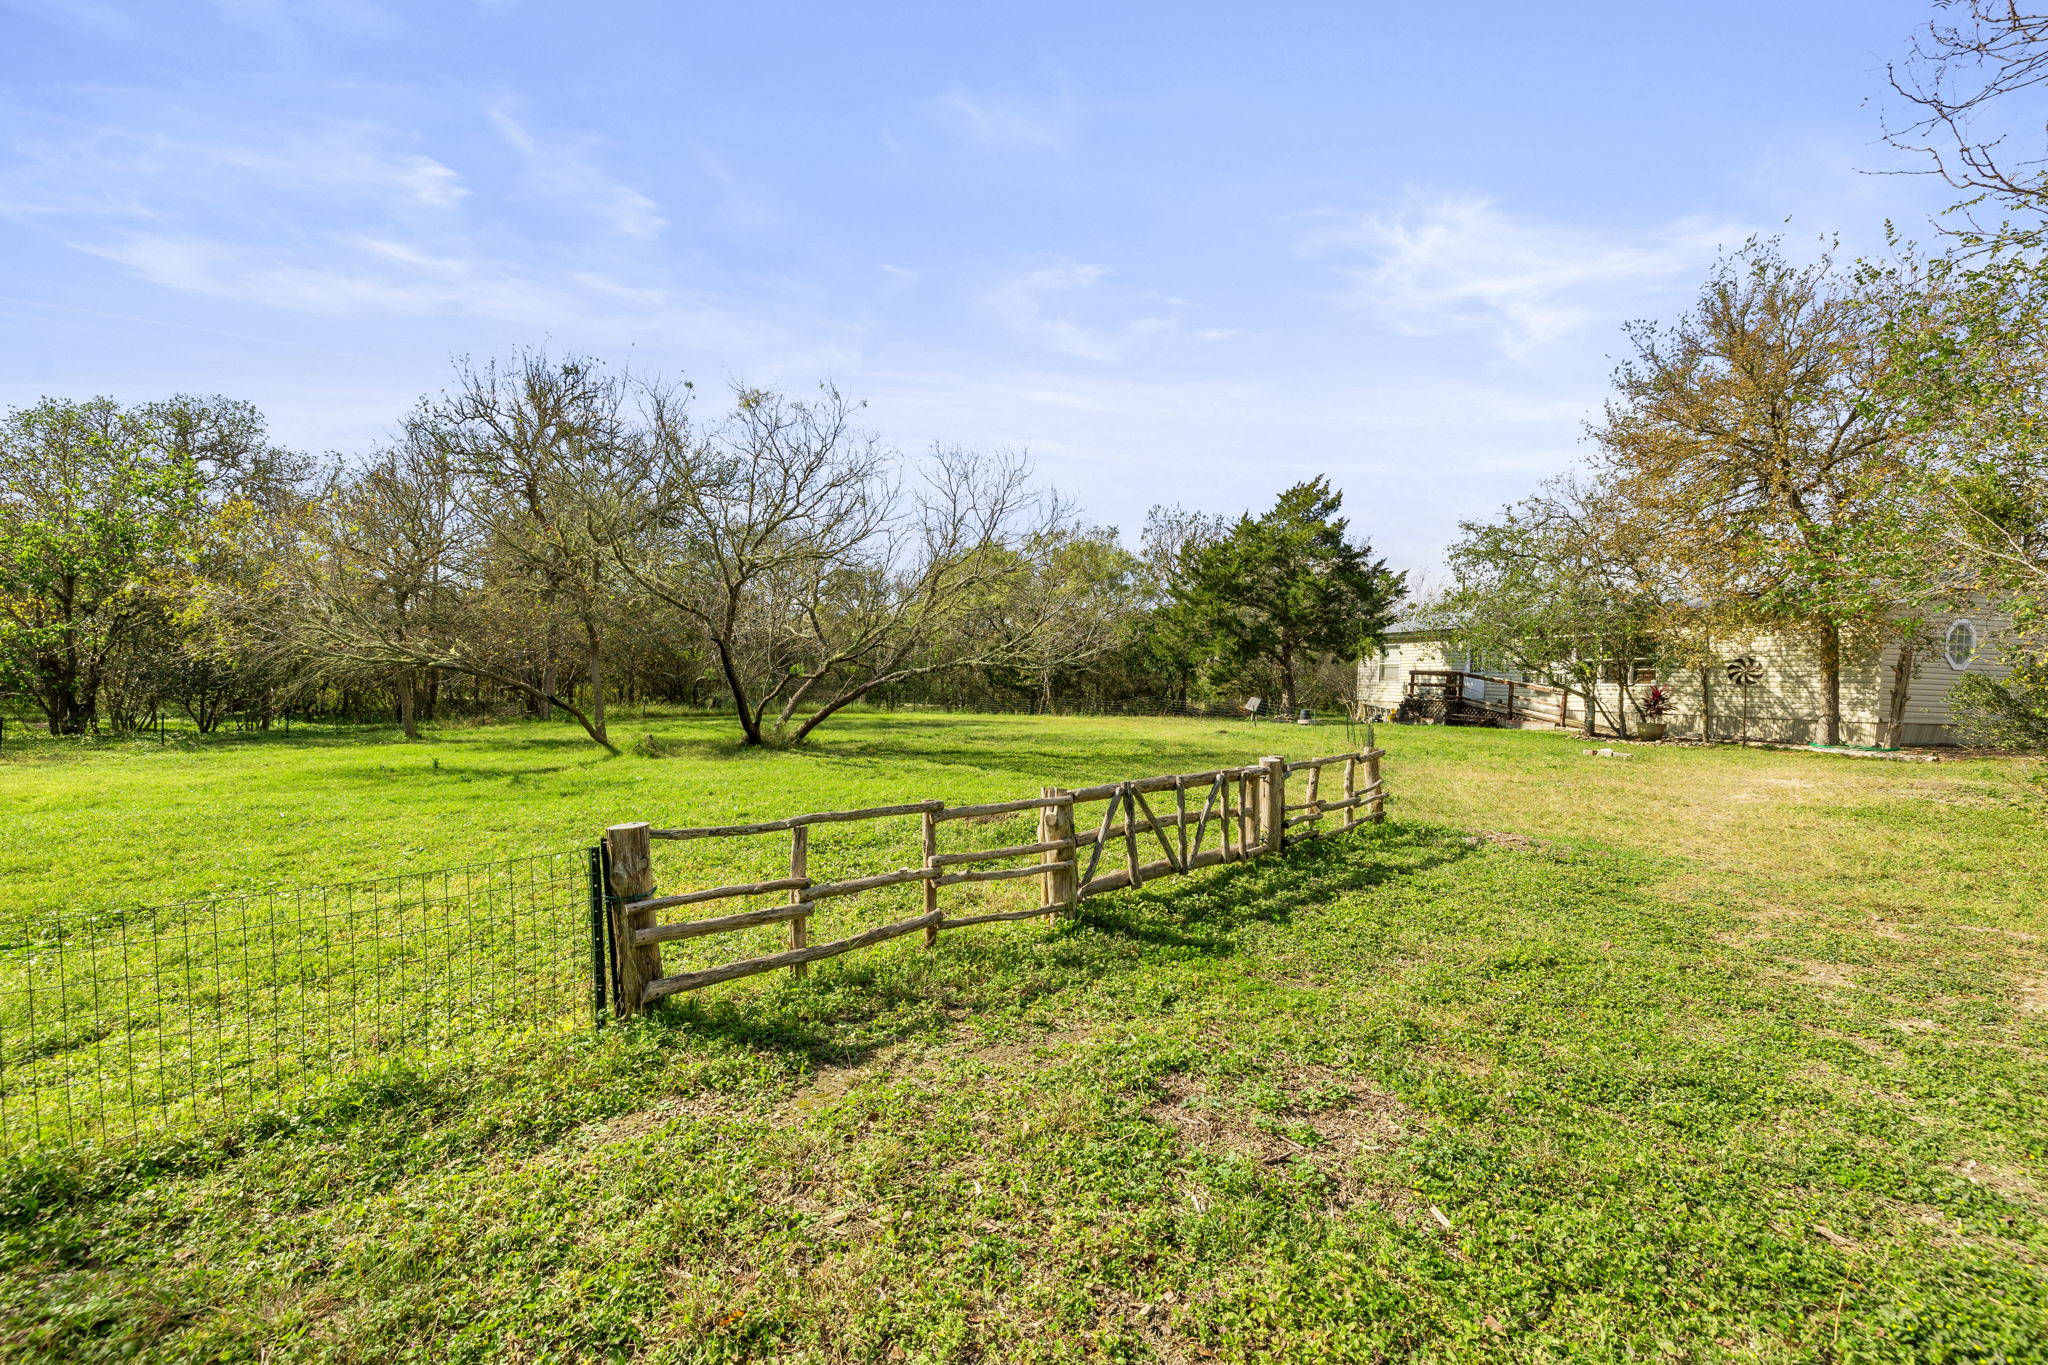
column 1497, row 838
column 1012, row 1051
column 2002, row 1180
column 1952, row 793
column 1340, row 1118
column 1869, row 1047
column 1826, row 974
column 1151, row 1321
column 2033, row 998
column 626, row 1127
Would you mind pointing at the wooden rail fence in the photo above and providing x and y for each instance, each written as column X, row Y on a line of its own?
column 1223, row 815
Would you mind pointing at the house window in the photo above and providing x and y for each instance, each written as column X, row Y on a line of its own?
column 1960, row 646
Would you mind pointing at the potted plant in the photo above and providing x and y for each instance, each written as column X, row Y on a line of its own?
column 1652, row 711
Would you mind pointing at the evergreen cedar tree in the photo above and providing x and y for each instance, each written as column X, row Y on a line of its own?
column 1287, row 588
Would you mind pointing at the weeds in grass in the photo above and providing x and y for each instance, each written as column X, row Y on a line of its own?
column 1568, row 1095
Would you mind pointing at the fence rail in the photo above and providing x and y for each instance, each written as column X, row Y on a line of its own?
column 1204, row 831
column 204, row 1012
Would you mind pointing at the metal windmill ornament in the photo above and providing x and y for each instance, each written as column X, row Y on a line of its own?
column 1745, row 671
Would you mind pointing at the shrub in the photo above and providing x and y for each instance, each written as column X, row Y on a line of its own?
column 2002, row 715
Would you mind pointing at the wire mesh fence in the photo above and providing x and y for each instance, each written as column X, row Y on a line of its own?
column 1164, row 707
column 113, row 1025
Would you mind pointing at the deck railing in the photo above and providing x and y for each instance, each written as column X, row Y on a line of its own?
column 1525, row 700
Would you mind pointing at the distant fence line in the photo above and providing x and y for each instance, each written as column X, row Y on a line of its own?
column 15, row 728
column 115, row 1025
column 1164, row 707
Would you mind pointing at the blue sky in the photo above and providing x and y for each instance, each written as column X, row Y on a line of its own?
column 1182, row 252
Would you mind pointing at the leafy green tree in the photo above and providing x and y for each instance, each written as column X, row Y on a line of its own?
column 1968, row 337
column 1095, row 582
column 1549, row 587
column 104, row 511
column 1754, row 447
column 1286, row 589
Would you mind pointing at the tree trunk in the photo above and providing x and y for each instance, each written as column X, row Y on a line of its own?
column 550, row 683
column 1286, row 680
column 1831, row 683
column 594, row 670
column 1902, row 687
column 67, row 712
column 750, row 724
column 407, row 704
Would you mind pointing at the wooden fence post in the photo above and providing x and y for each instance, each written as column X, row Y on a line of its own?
column 629, row 855
column 1273, row 804
column 1350, row 791
column 1131, row 860
column 1247, row 815
column 1180, row 811
column 799, row 866
column 1378, row 804
column 931, row 885
column 1059, row 885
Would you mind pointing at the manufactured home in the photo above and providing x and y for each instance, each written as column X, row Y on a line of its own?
column 1766, row 688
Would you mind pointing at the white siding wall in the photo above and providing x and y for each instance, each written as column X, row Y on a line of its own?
column 1784, row 707
column 1383, row 678
column 1927, row 709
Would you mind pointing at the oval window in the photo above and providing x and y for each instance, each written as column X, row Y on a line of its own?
column 1961, row 645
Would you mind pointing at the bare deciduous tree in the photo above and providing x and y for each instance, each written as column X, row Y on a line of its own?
column 785, row 534
column 544, row 451
column 1962, row 67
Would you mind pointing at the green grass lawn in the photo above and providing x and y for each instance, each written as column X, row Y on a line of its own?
column 1702, row 1055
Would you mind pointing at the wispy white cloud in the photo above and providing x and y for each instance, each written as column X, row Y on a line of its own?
column 564, row 169
column 1441, row 263
column 362, row 277
column 360, row 274
column 350, row 220
column 737, row 203
column 99, row 17
column 284, row 20
column 1003, row 122
column 118, row 171
column 1022, row 302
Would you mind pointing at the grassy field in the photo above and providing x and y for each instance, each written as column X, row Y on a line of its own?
column 1702, row 1055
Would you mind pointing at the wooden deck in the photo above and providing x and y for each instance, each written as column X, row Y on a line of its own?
column 1438, row 696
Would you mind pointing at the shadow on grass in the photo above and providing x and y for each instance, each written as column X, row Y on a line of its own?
column 844, row 1014
column 1206, row 913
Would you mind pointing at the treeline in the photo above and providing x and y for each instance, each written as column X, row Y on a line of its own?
column 554, row 535
column 1842, row 454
